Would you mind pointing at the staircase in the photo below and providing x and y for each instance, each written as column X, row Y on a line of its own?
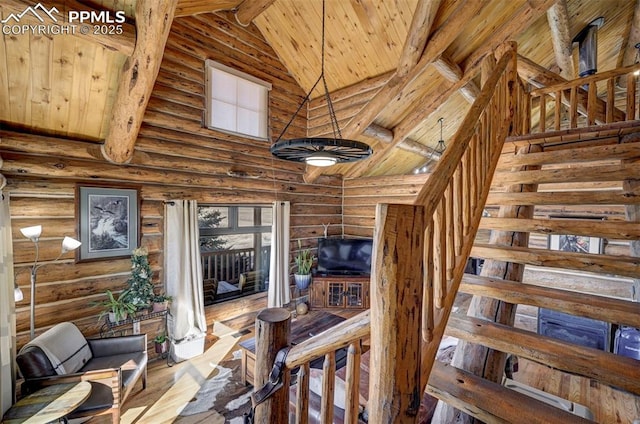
column 506, row 174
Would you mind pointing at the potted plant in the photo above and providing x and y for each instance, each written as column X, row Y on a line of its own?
column 140, row 286
column 304, row 261
column 160, row 302
column 161, row 343
column 117, row 309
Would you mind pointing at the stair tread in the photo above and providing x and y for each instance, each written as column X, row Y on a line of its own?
column 611, row 369
column 489, row 401
column 616, row 311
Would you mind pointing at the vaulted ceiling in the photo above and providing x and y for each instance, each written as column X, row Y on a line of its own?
column 424, row 56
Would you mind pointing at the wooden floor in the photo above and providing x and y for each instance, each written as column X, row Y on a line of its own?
column 169, row 389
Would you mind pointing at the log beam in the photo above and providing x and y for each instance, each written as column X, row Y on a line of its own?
column 195, row 7
column 396, row 302
column 393, row 88
column 416, row 40
column 453, row 73
column 153, row 22
column 248, row 10
column 558, row 18
column 122, row 43
column 629, row 51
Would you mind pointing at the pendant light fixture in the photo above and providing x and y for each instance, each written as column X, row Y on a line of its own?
column 438, row 150
column 320, row 151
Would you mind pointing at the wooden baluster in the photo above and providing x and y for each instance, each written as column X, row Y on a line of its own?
column 543, row 113
column 302, row 395
column 631, row 97
column 592, row 100
column 449, row 222
column 328, row 388
column 457, row 209
column 466, row 189
column 573, row 107
column 352, row 402
column 440, row 256
column 558, row 114
column 611, row 99
column 473, row 195
column 427, row 294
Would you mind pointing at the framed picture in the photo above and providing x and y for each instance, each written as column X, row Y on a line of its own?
column 573, row 243
column 108, row 222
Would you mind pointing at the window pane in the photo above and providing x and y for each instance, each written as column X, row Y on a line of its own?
column 240, row 241
column 249, row 95
column 248, row 122
column 245, row 217
column 213, row 217
column 224, row 87
column 223, row 115
column 266, row 216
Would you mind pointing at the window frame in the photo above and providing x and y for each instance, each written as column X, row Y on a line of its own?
column 212, row 66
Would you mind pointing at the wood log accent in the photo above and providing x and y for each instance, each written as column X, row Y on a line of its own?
column 586, row 305
column 612, row 369
column 614, row 197
column 394, row 388
column 583, row 227
column 478, row 398
column 558, row 18
column 153, row 22
column 247, row 11
column 273, row 332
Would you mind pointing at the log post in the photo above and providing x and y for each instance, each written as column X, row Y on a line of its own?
column 396, row 304
column 477, row 358
column 273, row 330
column 632, row 213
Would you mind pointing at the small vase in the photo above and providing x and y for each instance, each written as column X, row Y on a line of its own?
column 112, row 317
column 302, row 281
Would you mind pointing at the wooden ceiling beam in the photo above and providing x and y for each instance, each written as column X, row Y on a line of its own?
column 122, row 43
column 558, row 19
column 453, row 73
column 139, row 72
column 630, row 51
column 440, row 40
column 416, row 41
column 529, row 11
column 196, row 7
column 385, row 135
column 248, row 10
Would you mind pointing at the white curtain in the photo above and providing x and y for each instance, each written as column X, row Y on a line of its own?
column 7, row 306
column 279, row 268
column 183, row 270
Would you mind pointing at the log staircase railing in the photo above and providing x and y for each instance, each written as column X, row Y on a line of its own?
column 453, row 198
column 599, row 99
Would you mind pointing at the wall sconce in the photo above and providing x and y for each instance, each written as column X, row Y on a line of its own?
column 33, row 234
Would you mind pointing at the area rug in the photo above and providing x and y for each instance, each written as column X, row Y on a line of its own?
column 223, row 392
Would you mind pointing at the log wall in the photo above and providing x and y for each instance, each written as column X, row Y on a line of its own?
column 175, row 158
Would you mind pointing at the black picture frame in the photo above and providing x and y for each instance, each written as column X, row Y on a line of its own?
column 108, row 221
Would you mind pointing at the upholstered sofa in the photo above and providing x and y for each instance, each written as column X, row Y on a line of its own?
column 112, row 365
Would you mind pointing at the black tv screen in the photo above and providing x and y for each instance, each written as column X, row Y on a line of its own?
column 344, row 256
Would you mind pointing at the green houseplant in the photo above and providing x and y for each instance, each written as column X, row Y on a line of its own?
column 161, row 343
column 140, row 289
column 304, row 261
column 160, row 302
column 117, row 308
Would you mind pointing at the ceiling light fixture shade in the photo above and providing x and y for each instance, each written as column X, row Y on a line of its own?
column 320, row 151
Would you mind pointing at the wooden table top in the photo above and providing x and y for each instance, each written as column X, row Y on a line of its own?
column 303, row 327
column 48, row 404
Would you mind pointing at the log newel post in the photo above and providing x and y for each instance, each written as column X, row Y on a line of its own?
column 273, row 330
column 396, row 305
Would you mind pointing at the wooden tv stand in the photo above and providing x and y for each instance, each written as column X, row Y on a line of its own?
column 339, row 291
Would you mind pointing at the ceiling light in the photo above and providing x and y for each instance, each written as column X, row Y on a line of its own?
column 320, row 151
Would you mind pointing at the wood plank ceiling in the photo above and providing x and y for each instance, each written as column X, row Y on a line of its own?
column 67, row 85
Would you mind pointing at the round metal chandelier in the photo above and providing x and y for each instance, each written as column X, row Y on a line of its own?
column 320, row 151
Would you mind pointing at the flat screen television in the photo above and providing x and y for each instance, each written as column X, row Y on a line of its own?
column 344, row 256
